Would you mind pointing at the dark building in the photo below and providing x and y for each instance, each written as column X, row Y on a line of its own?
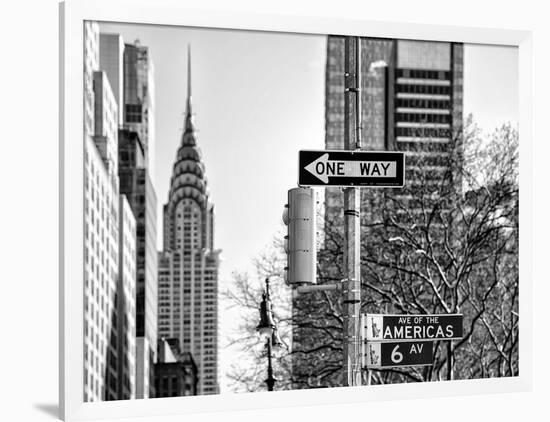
column 131, row 153
column 136, row 184
column 412, row 97
column 412, row 101
column 139, row 96
column 175, row 372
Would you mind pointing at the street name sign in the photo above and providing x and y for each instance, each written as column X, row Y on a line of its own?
column 385, row 328
column 392, row 354
column 351, row 168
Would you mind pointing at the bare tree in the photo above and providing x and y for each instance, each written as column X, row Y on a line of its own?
column 458, row 253
column 447, row 243
column 249, row 372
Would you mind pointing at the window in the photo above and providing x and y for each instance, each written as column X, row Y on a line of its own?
column 133, row 113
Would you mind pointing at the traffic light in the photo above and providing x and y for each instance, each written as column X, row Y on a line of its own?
column 300, row 244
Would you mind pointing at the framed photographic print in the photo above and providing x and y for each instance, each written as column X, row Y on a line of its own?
column 322, row 210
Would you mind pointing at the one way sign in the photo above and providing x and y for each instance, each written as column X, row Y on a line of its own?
column 351, row 168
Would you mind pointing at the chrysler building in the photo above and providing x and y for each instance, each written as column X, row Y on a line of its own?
column 188, row 265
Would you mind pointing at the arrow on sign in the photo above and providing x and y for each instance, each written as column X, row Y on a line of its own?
column 323, row 168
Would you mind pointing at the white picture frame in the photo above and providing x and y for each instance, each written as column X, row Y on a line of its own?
column 73, row 13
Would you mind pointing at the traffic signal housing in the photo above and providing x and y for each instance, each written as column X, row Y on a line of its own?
column 300, row 242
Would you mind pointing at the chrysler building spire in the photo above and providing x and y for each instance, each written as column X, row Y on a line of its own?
column 189, row 121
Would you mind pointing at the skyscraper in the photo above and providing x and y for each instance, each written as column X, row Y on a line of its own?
column 111, row 61
column 101, row 228
column 136, row 184
column 412, row 102
column 124, row 319
column 135, row 168
column 120, row 229
column 106, row 125
column 188, row 265
column 91, row 64
column 139, row 97
column 100, row 277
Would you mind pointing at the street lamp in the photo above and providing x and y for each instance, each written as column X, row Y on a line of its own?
column 266, row 327
column 268, row 330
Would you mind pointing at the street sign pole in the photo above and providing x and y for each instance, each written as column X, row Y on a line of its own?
column 351, row 285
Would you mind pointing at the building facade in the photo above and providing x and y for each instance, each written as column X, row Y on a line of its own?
column 101, row 224
column 106, row 124
column 91, row 64
column 136, row 184
column 100, row 277
column 188, row 265
column 132, row 68
column 175, row 373
column 125, row 317
column 111, row 61
column 411, row 95
column 139, row 97
column 111, row 230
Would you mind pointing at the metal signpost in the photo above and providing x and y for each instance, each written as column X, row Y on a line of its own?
column 351, row 168
column 391, row 340
column 351, row 284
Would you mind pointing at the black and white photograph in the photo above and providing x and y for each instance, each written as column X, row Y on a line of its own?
column 272, row 211
column 278, row 210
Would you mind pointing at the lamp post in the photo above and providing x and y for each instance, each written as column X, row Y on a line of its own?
column 268, row 330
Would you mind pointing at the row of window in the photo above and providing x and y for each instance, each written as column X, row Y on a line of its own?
column 422, row 132
column 423, row 74
column 423, row 117
column 423, row 103
column 424, row 89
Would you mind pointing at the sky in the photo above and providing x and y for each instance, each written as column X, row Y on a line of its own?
column 258, row 97
column 491, row 91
